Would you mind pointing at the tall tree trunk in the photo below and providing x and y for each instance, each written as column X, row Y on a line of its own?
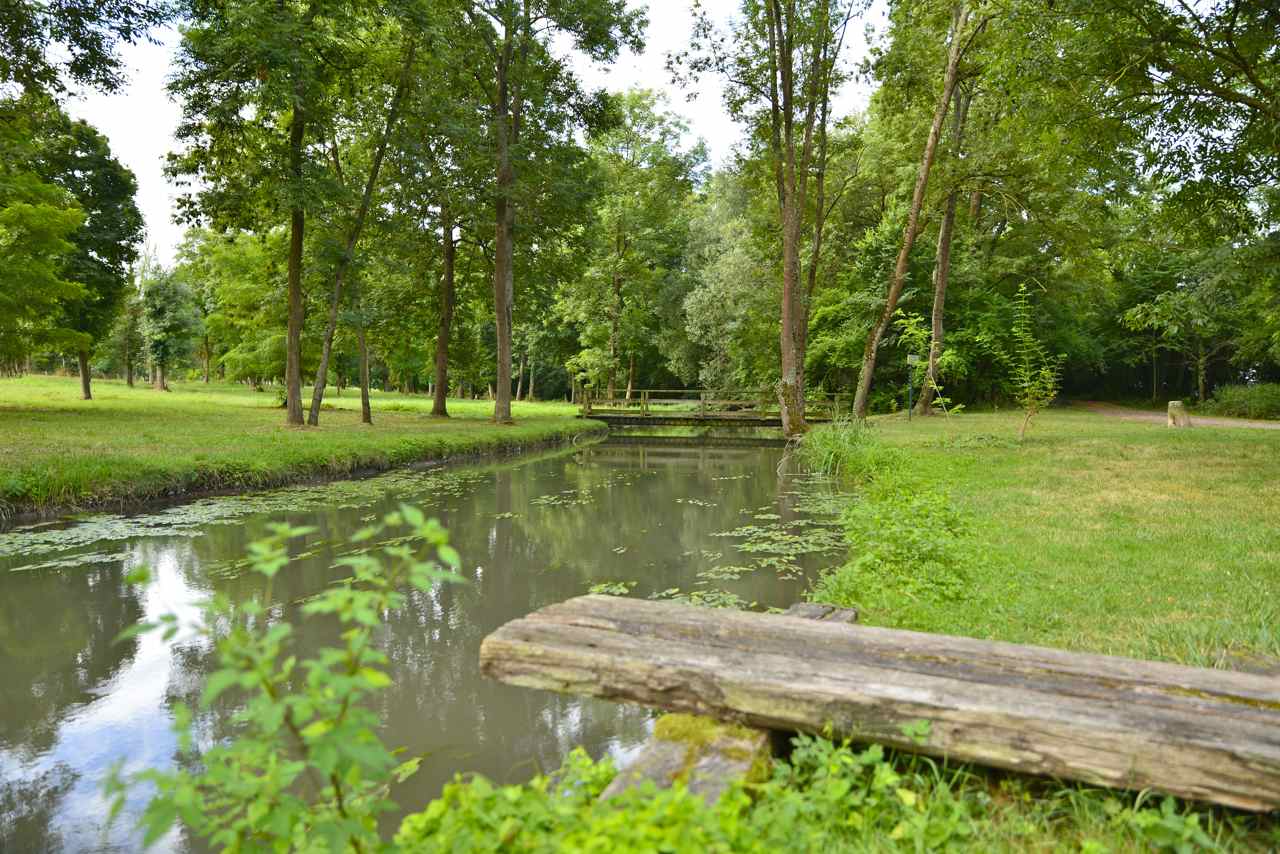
column 297, row 223
column 440, row 406
column 631, row 377
column 353, row 235
column 158, row 377
column 366, row 413
column 942, row 268
column 528, row 395
column 913, row 226
column 128, row 363
column 520, row 378
column 207, row 359
column 504, row 244
column 615, row 322
column 85, row 391
column 941, row 274
column 1153, row 375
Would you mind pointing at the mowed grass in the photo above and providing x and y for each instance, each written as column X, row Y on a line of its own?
column 1108, row 536
column 135, row 444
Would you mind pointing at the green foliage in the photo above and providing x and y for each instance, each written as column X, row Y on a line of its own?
column 46, row 45
column 1261, row 400
column 306, row 768
column 169, row 316
column 824, row 797
column 906, row 539
column 1034, row 375
column 850, row 450
column 38, row 221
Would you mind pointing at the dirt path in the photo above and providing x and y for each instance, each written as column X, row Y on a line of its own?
column 1111, row 410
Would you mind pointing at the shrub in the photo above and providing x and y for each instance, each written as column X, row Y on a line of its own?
column 848, row 449
column 1260, row 400
column 307, row 769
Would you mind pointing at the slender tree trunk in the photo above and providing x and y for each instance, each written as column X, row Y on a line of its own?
column 941, row 273
column 353, row 235
column 207, row 359
column 158, row 377
column 791, row 387
column 1202, row 366
column 128, row 365
column 913, row 226
column 440, row 406
column 85, row 391
column 366, row 413
column 615, row 322
column 504, row 247
column 942, row 268
column 528, row 395
column 520, row 378
column 1153, row 375
column 297, row 224
column 631, row 377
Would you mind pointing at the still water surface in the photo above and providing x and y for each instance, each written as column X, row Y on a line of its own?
column 73, row 703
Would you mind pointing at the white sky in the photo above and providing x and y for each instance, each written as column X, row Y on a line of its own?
column 140, row 120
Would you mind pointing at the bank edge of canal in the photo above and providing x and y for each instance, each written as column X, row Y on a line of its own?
column 470, row 441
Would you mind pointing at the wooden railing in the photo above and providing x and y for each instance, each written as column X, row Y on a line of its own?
column 711, row 403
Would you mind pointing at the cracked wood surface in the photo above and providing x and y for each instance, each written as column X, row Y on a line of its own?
column 1203, row 734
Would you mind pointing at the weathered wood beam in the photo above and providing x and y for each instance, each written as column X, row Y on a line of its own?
column 1203, row 734
column 708, row 755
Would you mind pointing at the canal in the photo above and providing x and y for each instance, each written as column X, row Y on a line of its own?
column 724, row 525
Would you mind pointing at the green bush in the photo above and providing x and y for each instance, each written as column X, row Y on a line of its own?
column 306, row 770
column 906, row 540
column 823, row 797
column 848, row 449
column 1261, row 400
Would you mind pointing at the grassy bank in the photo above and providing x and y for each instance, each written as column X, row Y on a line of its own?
column 132, row 445
column 1095, row 534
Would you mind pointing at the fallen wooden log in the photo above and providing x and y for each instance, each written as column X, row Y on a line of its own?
column 1203, row 734
column 707, row 755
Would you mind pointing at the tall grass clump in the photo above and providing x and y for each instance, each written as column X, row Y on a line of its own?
column 907, row 540
column 848, row 449
column 1260, row 400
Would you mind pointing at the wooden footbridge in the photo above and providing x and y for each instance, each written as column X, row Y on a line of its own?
column 704, row 408
column 1209, row 735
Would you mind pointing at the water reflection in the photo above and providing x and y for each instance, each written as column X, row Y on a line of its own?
column 72, row 703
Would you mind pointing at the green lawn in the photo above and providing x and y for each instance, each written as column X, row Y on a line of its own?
column 1104, row 535
column 132, row 444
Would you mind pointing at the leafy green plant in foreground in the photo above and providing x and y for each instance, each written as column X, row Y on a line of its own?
column 307, row 769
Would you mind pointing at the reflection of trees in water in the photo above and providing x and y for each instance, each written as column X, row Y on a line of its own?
column 28, row 808
column 57, row 632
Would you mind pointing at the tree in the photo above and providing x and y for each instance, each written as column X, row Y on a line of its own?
column 78, row 159
column 44, row 44
column 38, row 221
column 525, row 85
column 780, row 75
column 170, row 321
column 960, row 38
column 126, row 345
column 255, row 78
column 1201, row 79
column 1200, row 319
column 638, row 239
column 355, row 211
